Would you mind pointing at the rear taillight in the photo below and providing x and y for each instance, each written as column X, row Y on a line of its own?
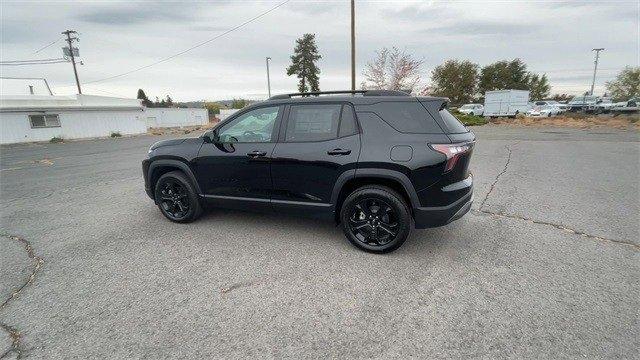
column 452, row 151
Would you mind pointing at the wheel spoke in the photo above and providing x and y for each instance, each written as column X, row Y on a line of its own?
column 373, row 222
column 387, row 230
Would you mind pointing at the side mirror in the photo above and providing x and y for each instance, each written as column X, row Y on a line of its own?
column 211, row 136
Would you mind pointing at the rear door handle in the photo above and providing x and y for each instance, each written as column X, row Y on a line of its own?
column 339, row 152
column 256, row 153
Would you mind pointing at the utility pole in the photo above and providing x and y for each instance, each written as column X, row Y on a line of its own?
column 70, row 41
column 268, row 80
column 353, row 45
column 595, row 68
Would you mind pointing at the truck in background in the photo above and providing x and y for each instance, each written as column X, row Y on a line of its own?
column 506, row 103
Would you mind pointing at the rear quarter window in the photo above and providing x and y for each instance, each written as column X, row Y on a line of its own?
column 452, row 123
column 406, row 117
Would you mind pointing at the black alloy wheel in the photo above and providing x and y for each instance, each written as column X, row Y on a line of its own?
column 177, row 198
column 376, row 219
column 373, row 222
column 174, row 199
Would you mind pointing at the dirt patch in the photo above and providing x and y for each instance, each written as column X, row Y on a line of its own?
column 624, row 122
column 180, row 130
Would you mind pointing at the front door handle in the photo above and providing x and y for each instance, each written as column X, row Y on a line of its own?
column 257, row 153
column 339, row 152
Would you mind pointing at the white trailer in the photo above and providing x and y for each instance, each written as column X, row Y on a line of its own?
column 506, row 103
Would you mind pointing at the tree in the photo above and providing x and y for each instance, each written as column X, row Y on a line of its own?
column 626, row 85
column 503, row 75
column 303, row 63
column 392, row 70
column 457, row 80
column 169, row 101
column 561, row 97
column 145, row 100
column 539, row 88
column 213, row 108
column 239, row 103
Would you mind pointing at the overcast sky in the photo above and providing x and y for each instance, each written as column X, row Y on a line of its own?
column 552, row 37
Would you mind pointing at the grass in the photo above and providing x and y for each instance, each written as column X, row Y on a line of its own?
column 56, row 139
column 115, row 134
column 470, row 120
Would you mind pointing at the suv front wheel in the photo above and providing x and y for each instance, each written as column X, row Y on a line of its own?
column 375, row 219
column 177, row 198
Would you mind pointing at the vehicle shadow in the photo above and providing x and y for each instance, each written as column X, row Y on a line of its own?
column 309, row 231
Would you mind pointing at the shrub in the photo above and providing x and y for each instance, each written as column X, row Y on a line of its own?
column 115, row 134
column 470, row 120
column 56, row 139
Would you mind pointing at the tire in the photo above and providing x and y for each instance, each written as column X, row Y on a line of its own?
column 375, row 209
column 472, row 114
column 182, row 204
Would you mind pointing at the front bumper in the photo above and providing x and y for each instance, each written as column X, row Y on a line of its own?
column 145, row 175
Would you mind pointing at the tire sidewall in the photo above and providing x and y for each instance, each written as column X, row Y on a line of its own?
column 393, row 200
column 194, row 204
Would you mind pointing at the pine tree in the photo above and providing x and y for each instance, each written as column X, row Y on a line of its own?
column 539, row 88
column 145, row 100
column 303, row 63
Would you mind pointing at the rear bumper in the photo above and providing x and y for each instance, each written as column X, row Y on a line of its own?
column 428, row 217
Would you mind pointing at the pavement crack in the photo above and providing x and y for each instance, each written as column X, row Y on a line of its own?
column 561, row 227
column 17, row 347
column 239, row 285
column 495, row 181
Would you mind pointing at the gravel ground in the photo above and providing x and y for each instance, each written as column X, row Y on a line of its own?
column 547, row 264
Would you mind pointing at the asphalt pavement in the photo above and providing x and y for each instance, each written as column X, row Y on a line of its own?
column 547, row 264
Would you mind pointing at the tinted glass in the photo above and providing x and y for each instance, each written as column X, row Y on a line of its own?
column 315, row 122
column 407, row 117
column 253, row 126
column 347, row 122
column 453, row 125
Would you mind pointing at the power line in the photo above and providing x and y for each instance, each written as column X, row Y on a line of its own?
column 46, row 46
column 32, row 60
column 53, row 61
column 191, row 48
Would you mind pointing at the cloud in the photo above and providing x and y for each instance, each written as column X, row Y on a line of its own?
column 138, row 13
column 480, row 28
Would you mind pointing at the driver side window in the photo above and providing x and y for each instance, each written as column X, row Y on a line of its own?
column 252, row 127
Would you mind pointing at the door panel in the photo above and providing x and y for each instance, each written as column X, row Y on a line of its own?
column 235, row 170
column 306, row 172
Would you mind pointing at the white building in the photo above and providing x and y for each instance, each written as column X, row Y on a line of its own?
column 26, row 118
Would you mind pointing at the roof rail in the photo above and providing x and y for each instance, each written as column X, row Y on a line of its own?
column 353, row 92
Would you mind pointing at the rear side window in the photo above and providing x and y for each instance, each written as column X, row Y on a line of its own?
column 347, row 122
column 313, row 122
column 453, row 125
column 407, row 117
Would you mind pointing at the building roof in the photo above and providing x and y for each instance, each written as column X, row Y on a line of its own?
column 72, row 102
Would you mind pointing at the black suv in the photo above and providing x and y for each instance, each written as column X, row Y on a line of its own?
column 374, row 161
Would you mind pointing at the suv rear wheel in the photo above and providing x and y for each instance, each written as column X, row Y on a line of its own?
column 176, row 197
column 375, row 219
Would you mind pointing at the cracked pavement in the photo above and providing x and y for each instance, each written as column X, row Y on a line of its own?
column 549, row 267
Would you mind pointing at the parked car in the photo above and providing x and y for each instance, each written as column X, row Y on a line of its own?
column 561, row 107
column 506, row 103
column 582, row 103
column 544, row 111
column 472, row 109
column 374, row 161
column 626, row 107
column 603, row 105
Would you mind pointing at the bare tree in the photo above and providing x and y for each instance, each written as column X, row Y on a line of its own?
column 392, row 69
